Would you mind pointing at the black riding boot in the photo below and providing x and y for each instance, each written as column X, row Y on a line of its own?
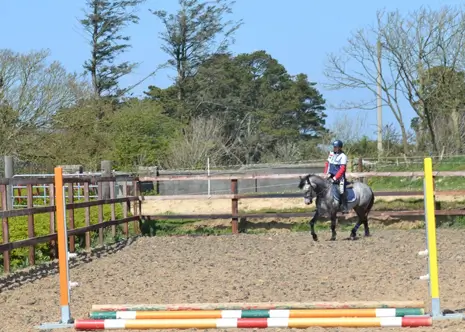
column 345, row 208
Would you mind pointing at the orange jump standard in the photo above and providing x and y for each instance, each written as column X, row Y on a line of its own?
column 213, row 323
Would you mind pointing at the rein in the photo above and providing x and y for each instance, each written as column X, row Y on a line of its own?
column 321, row 192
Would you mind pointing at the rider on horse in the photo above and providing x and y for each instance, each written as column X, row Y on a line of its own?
column 335, row 170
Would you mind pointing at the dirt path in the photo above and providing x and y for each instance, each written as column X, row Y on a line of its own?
column 251, row 268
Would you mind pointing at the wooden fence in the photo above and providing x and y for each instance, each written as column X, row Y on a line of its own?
column 235, row 216
column 133, row 196
column 71, row 206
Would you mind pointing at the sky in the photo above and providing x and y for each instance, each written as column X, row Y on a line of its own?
column 298, row 33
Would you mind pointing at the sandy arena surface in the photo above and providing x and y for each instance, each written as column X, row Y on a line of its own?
column 218, row 206
column 251, row 268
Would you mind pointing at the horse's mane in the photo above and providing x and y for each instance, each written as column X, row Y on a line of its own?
column 318, row 180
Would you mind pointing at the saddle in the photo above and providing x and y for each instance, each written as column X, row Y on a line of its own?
column 349, row 185
column 348, row 192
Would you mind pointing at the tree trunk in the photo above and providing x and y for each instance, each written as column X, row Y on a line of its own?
column 456, row 131
column 404, row 138
column 432, row 135
column 93, row 72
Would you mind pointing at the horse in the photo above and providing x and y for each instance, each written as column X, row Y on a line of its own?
column 360, row 198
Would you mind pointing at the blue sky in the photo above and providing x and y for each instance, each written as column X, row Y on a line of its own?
column 298, row 33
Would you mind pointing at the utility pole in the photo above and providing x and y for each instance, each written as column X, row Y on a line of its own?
column 379, row 103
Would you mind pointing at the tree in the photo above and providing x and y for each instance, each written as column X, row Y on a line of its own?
column 423, row 40
column 412, row 44
column 444, row 90
column 203, row 138
column 141, row 134
column 191, row 35
column 32, row 91
column 263, row 108
column 103, row 21
column 285, row 106
column 349, row 130
column 262, row 105
column 361, row 56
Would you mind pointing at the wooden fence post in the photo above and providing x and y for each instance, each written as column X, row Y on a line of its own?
column 234, row 207
column 53, row 243
column 157, row 183
column 137, row 205
column 87, row 214
column 72, row 238
column 112, row 207
column 9, row 173
column 125, row 209
column 5, row 230
column 100, row 212
column 360, row 168
column 106, row 167
column 30, row 225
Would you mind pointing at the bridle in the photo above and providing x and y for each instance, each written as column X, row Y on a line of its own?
column 308, row 188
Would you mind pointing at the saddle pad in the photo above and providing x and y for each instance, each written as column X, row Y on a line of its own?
column 350, row 194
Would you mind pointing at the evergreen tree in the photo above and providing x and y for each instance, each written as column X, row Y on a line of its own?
column 103, row 21
column 195, row 32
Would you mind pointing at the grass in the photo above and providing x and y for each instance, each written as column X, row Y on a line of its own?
column 192, row 227
column 182, row 227
column 378, row 183
column 213, row 227
column 416, row 183
column 18, row 230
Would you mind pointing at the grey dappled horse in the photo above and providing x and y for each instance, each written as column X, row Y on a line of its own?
column 360, row 198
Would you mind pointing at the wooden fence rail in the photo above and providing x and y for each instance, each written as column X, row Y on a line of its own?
column 292, row 176
column 288, row 195
column 235, row 197
column 134, row 198
column 71, row 206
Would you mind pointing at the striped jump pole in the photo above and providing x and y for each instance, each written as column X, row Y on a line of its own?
column 222, row 323
column 293, row 313
column 259, row 305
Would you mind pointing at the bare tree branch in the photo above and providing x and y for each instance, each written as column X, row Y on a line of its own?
column 32, row 92
column 361, row 56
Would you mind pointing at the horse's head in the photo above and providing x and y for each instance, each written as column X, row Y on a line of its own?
column 308, row 187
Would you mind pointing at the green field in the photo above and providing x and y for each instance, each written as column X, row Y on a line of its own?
column 416, row 183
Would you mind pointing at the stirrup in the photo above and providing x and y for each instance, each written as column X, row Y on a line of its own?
column 344, row 208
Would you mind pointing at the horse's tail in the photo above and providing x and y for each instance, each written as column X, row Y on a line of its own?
column 372, row 202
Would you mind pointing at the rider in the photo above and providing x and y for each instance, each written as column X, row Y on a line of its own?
column 335, row 169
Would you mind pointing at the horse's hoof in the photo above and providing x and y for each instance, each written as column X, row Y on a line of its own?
column 367, row 235
column 332, row 239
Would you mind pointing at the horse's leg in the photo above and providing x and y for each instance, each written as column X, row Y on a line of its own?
column 365, row 226
column 361, row 219
column 312, row 226
column 367, row 211
column 333, row 226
